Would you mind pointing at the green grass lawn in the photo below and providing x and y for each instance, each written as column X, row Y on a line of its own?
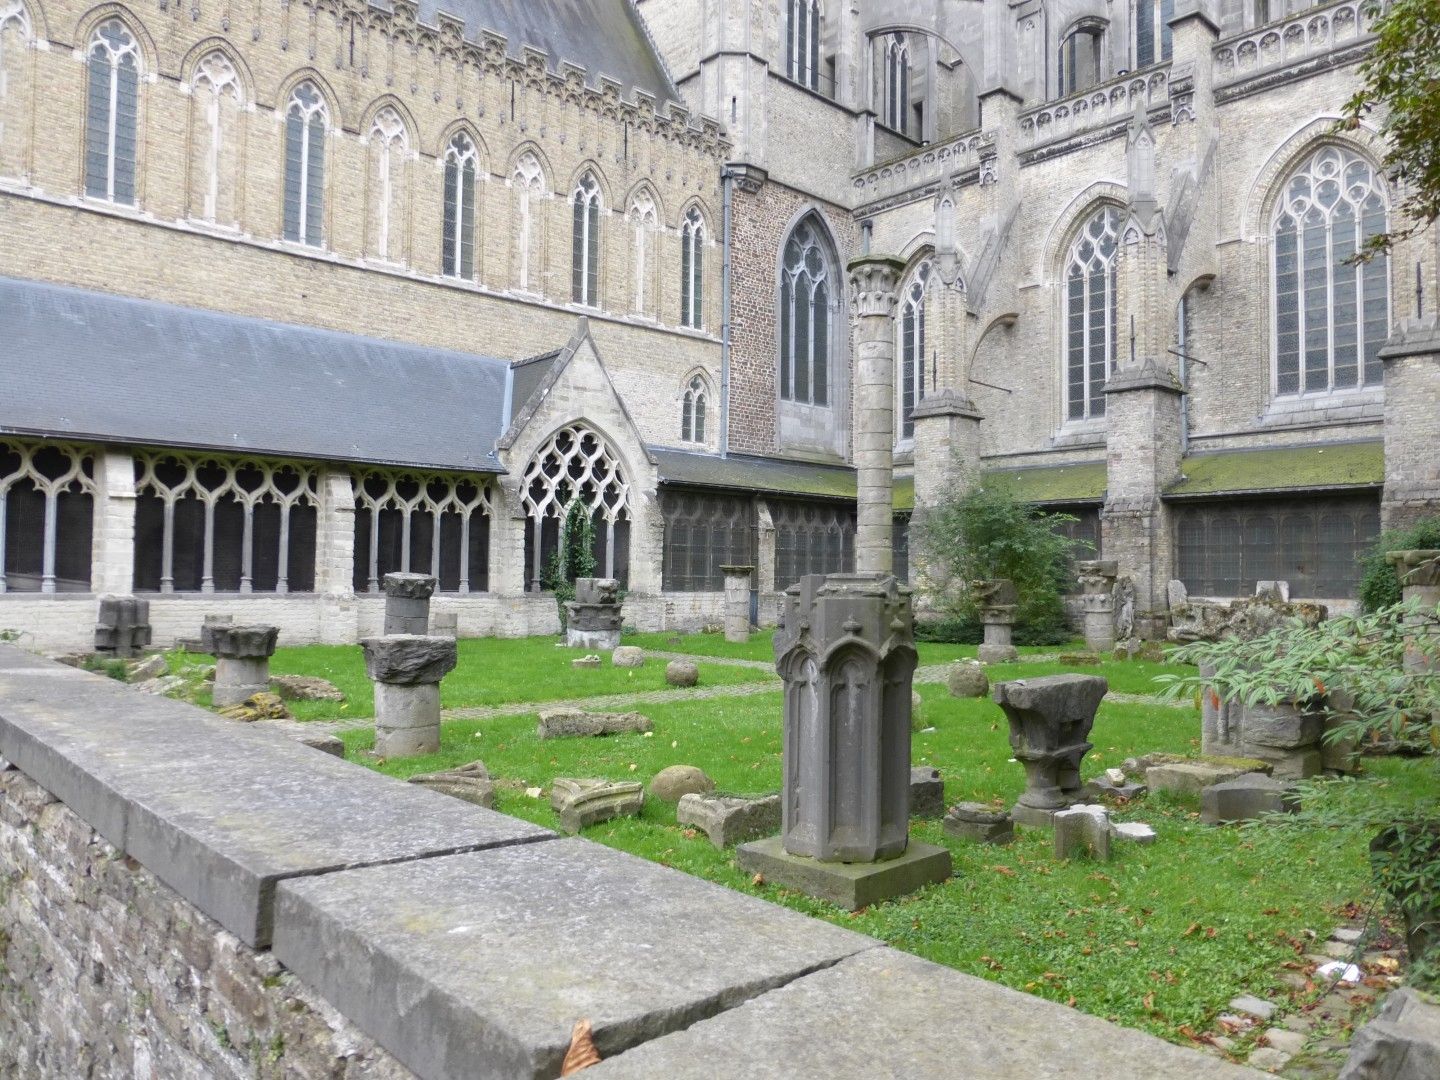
column 490, row 671
column 1161, row 938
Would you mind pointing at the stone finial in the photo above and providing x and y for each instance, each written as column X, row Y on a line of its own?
column 1050, row 721
column 874, row 285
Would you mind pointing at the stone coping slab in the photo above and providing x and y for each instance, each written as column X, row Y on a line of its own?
column 478, row 965
column 885, row 1013
column 218, row 810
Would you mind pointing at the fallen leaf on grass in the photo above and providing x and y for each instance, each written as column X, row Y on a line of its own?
column 1006, row 870
column 582, row 1053
column 758, row 879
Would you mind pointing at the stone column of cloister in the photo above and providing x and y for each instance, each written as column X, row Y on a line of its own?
column 874, row 292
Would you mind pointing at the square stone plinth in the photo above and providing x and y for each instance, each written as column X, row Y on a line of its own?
column 848, row 885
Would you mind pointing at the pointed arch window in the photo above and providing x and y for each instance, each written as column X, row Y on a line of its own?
column 1090, row 314
column 585, row 253
column 112, row 113
column 643, row 220
column 457, row 255
column 693, row 408
column 576, row 465
column 806, row 280
column 218, row 97
column 1152, row 31
column 1080, row 59
column 14, row 93
column 912, row 349
column 897, row 84
column 306, row 122
column 692, row 260
column 528, row 183
column 389, row 147
column 802, row 42
column 1331, row 315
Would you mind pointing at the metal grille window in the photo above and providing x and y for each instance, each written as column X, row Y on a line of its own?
column 236, row 525
column 703, row 532
column 805, row 278
column 1314, row 544
column 112, row 113
column 692, row 260
column 1152, row 28
column 576, row 463
column 1090, row 314
column 802, row 42
column 585, row 252
column 457, row 255
column 306, row 120
column 1331, row 315
column 912, row 349
column 422, row 523
column 389, row 147
column 693, row 407
column 897, row 83
column 812, row 538
column 218, row 100
column 47, row 500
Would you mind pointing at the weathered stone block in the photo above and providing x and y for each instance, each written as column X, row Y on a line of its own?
column 1401, row 1043
column 1300, row 764
column 305, row 688
column 682, row 673
column 730, row 819
column 408, row 659
column 980, row 823
column 407, row 719
column 1134, row 832
column 1282, row 727
column 590, row 663
column 566, row 722
column 628, row 656
column 582, row 802
column 403, row 586
column 927, row 792
column 407, row 603
column 967, row 679
column 1189, row 777
column 850, row 885
column 1082, row 830
column 674, row 782
column 1246, row 798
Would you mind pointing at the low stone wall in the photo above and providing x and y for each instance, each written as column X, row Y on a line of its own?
column 211, row 899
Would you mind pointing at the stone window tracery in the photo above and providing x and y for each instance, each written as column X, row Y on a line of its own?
column 112, row 113
column 208, row 524
column 693, row 407
column 806, row 274
column 218, row 97
column 457, row 256
column 389, row 147
column 1090, row 314
column 307, row 120
column 643, row 220
column 802, row 42
column 1331, row 315
column 47, row 494
column 528, row 183
column 426, row 523
column 576, row 464
column 14, row 97
column 897, row 83
column 692, row 261
column 912, row 348
column 585, row 251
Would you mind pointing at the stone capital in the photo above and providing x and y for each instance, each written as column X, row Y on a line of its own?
column 409, row 586
column 241, row 642
column 874, row 285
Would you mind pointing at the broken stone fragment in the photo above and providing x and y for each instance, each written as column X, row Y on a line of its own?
column 682, row 673
column 262, row 706
column 565, row 723
column 674, row 782
column 1245, row 798
column 469, row 782
column 591, row 661
column 628, row 656
column 1135, row 831
column 927, row 792
column 730, row 819
column 980, row 823
column 305, row 688
column 967, row 679
column 583, row 802
column 1083, row 830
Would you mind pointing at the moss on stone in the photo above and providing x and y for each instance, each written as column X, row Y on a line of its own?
column 1285, row 468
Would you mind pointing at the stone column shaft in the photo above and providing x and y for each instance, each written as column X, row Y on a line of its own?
column 874, row 281
column 112, row 567
column 737, row 602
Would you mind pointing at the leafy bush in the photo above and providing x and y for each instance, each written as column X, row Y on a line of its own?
column 1379, row 587
column 988, row 533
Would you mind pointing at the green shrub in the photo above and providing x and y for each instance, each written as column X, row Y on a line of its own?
column 1379, row 587
column 574, row 556
column 988, row 533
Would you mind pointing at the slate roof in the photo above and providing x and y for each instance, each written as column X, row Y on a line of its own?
column 96, row 367
column 605, row 37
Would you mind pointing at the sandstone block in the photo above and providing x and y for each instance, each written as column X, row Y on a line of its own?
column 628, row 656
column 565, row 723
column 305, row 688
column 967, row 679
column 674, row 782
column 682, row 673
column 1281, row 726
column 1246, row 798
column 583, row 802
column 730, row 819
column 1189, row 777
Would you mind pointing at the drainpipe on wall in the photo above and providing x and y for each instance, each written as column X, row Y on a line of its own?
column 727, row 182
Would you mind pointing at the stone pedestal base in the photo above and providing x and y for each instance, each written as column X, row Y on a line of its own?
column 1034, row 816
column 997, row 648
column 847, row 885
column 600, row 640
column 238, row 677
column 407, row 719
